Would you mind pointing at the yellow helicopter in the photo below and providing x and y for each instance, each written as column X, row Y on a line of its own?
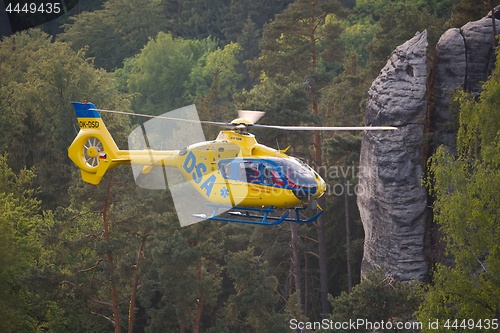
column 233, row 173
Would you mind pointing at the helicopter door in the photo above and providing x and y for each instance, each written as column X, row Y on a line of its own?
column 252, row 177
column 235, row 179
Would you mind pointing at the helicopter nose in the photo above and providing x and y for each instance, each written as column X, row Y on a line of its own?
column 306, row 192
column 312, row 189
column 320, row 187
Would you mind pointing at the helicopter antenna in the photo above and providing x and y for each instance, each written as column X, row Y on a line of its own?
column 278, row 144
column 146, row 140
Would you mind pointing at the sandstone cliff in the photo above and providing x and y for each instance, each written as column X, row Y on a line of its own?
column 391, row 200
column 465, row 58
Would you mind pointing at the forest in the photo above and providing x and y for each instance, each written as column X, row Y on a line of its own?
column 76, row 257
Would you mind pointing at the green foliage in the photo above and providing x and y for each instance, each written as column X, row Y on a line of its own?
column 183, row 281
column 377, row 298
column 59, row 270
column 41, row 78
column 161, row 71
column 297, row 39
column 97, row 246
column 114, row 32
column 344, row 99
column 469, row 10
column 173, row 72
column 375, row 9
column 222, row 64
column 252, row 307
column 375, row 28
column 301, row 57
column 21, row 248
column 467, row 200
column 195, row 19
column 285, row 101
column 222, row 19
column 346, row 235
column 395, row 27
column 357, row 37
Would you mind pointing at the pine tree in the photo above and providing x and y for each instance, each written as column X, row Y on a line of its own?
column 19, row 221
column 115, row 32
column 41, row 79
column 301, row 41
column 252, row 306
column 378, row 298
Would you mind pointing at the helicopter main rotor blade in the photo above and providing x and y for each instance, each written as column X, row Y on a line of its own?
column 253, row 116
column 166, row 118
column 328, row 128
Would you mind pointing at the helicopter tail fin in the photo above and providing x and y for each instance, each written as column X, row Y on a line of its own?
column 93, row 150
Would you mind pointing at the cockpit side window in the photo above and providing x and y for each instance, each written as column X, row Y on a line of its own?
column 253, row 172
column 271, row 175
column 225, row 168
column 272, row 172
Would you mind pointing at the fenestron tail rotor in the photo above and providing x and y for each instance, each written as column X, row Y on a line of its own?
column 92, row 150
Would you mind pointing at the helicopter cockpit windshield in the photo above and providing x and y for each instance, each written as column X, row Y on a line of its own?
column 288, row 173
column 299, row 177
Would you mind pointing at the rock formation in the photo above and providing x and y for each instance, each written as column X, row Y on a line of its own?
column 391, row 199
column 465, row 58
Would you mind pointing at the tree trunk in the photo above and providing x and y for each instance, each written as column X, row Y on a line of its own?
column 323, row 264
column 201, row 301
column 296, row 261
column 110, row 263
column 131, row 309
column 348, row 242
column 493, row 21
column 323, row 260
column 322, row 251
column 306, row 286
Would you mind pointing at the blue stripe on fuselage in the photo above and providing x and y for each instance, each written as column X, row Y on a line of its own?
column 85, row 110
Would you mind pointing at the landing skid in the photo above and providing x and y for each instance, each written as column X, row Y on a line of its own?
column 258, row 215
